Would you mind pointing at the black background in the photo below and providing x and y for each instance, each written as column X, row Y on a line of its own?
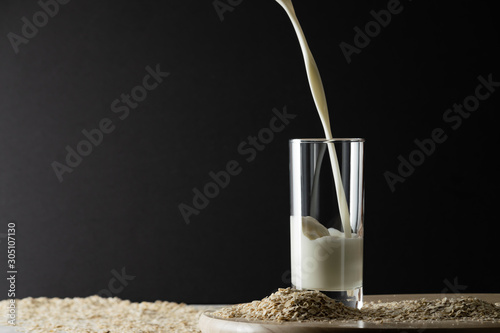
column 438, row 231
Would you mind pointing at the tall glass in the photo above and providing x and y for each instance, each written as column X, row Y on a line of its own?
column 327, row 193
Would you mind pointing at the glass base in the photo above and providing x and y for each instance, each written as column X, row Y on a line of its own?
column 352, row 298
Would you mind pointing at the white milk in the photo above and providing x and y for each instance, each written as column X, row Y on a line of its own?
column 323, row 259
column 321, row 262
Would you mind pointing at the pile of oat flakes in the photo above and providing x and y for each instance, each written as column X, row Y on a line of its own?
column 293, row 305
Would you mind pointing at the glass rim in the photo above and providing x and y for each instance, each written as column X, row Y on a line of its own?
column 323, row 140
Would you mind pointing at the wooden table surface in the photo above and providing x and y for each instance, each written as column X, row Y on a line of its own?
column 209, row 324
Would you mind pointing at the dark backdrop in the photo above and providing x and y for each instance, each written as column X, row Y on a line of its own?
column 113, row 224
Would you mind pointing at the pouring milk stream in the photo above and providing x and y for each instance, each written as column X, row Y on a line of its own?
column 320, row 101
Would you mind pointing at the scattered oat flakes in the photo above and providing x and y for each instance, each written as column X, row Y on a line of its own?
column 460, row 308
column 100, row 315
column 103, row 315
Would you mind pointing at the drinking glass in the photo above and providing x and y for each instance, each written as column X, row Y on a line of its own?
column 326, row 194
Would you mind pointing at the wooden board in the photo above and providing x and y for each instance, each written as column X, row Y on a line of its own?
column 209, row 324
